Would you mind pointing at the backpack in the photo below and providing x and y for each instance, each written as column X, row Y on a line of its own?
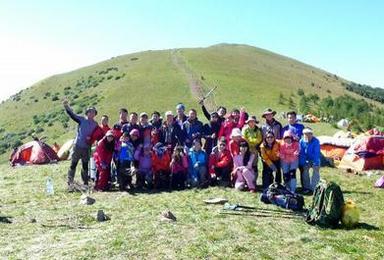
column 327, row 204
column 279, row 195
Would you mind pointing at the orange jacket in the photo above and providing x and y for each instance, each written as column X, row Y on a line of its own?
column 270, row 155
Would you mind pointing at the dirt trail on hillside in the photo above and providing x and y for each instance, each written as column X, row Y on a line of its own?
column 194, row 82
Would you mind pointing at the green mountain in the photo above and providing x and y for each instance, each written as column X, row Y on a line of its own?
column 157, row 80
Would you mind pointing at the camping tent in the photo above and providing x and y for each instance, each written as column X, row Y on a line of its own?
column 334, row 148
column 366, row 153
column 35, row 152
column 65, row 150
column 343, row 124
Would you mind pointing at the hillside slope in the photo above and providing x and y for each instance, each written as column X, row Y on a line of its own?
column 157, row 80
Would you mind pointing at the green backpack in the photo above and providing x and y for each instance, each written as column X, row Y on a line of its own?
column 327, row 203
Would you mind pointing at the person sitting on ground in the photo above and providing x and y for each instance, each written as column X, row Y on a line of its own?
column 221, row 112
column 309, row 158
column 144, row 177
column 269, row 150
column 123, row 120
column 81, row 148
column 179, row 168
column 289, row 159
column 133, row 123
column 220, row 164
column 170, row 133
column 161, row 160
column 211, row 132
column 192, row 128
column 145, row 129
column 103, row 157
column 180, row 117
column 295, row 128
column 243, row 173
column 125, row 158
column 271, row 124
column 234, row 144
column 197, row 175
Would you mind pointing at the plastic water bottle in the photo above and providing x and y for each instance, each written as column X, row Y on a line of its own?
column 49, row 186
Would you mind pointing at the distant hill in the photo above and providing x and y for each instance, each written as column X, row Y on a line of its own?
column 157, row 80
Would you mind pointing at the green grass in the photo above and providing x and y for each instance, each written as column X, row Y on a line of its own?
column 66, row 230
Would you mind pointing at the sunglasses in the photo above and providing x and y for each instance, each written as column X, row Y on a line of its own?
column 270, row 137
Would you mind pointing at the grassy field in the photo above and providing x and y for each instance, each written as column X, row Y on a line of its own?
column 57, row 227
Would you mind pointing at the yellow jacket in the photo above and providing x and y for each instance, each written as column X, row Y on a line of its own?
column 254, row 137
column 269, row 155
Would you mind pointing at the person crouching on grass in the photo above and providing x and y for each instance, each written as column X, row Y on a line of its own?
column 103, row 158
column 161, row 160
column 271, row 161
column 220, row 164
column 82, row 143
column 197, row 176
column 179, row 168
column 289, row 158
column 243, row 173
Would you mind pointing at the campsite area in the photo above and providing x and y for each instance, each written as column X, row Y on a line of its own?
column 59, row 227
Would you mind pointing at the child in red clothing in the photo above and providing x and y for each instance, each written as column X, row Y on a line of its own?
column 161, row 166
column 103, row 158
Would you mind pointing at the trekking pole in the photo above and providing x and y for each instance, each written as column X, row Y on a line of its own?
column 209, row 93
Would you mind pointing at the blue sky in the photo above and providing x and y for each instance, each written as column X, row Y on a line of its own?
column 41, row 38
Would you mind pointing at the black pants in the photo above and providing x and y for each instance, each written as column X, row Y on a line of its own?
column 178, row 180
column 124, row 176
column 268, row 177
column 225, row 174
column 82, row 154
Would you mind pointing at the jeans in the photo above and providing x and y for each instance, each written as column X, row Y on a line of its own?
column 310, row 183
column 289, row 174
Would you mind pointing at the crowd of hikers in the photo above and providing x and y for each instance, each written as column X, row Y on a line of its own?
column 179, row 151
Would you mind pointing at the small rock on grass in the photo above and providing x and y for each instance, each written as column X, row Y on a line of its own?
column 167, row 216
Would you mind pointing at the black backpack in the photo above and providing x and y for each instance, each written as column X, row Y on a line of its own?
column 327, row 204
column 279, row 195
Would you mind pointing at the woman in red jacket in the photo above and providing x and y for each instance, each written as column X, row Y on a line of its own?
column 220, row 164
column 103, row 158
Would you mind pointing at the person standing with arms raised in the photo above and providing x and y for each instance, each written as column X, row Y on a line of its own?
column 82, row 143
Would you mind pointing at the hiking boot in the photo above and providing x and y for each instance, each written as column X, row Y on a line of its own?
column 71, row 188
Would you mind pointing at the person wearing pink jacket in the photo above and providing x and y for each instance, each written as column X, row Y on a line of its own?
column 243, row 172
column 289, row 159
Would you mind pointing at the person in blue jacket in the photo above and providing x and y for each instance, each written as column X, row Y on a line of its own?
column 197, row 157
column 293, row 126
column 309, row 158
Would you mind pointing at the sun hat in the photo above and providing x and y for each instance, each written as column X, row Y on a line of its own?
column 268, row 111
column 236, row 132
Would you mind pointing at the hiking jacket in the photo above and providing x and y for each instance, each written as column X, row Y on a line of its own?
column 125, row 151
column 196, row 157
column 192, row 129
column 219, row 160
column 234, row 147
column 289, row 152
column 253, row 136
column 227, row 126
column 270, row 155
column 296, row 129
column 171, row 134
column 180, row 166
column 274, row 127
column 99, row 133
column 117, row 129
column 85, row 129
column 145, row 160
column 208, row 115
column 208, row 131
column 103, row 154
column 161, row 163
column 145, row 133
column 309, row 152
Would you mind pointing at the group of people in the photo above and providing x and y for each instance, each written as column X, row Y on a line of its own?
column 179, row 151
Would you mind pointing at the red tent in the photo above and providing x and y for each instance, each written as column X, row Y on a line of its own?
column 365, row 154
column 35, row 152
